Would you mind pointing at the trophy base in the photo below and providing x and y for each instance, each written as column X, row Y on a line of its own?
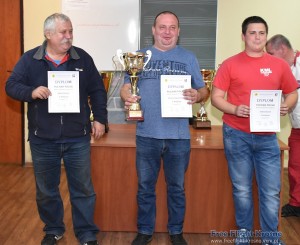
column 134, row 115
column 198, row 123
column 106, row 128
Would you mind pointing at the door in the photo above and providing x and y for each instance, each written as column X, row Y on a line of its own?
column 11, row 112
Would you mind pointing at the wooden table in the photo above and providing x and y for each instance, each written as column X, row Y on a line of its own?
column 209, row 203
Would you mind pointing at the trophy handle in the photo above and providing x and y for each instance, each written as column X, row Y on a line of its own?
column 120, row 57
column 148, row 55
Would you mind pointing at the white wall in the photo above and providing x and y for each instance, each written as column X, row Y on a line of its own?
column 281, row 17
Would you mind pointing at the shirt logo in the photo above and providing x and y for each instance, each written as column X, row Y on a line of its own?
column 265, row 71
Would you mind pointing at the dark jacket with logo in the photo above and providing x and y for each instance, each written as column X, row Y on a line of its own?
column 31, row 71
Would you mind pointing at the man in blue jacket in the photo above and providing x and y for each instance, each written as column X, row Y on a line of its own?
column 62, row 133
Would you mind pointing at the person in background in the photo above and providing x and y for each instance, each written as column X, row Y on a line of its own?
column 259, row 153
column 163, row 138
column 280, row 46
column 61, row 136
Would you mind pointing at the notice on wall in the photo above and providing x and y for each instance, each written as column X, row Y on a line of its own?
column 102, row 27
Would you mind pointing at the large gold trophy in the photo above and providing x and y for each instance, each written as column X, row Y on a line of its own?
column 201, row 121
column 133, row 63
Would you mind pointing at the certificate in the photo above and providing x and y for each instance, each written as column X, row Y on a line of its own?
column 265, row 110
column 173, row 103
column 64, row 87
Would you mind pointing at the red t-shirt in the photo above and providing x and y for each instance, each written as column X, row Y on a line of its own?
column 240, row 74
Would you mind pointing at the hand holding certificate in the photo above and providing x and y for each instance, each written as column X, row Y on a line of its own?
column 64, row 86
column 173, row 103
column 265, row 110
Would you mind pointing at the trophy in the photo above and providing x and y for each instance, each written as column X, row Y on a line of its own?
column 107, row 77
column 201, row 121
column 133, row 63
column 107, row 80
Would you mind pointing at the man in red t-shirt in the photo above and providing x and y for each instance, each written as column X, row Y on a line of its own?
column 251, row 152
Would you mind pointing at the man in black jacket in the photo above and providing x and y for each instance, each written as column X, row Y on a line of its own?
column 57, row 79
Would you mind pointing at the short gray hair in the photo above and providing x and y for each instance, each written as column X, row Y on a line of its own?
column 277, row 40
column 49, row 23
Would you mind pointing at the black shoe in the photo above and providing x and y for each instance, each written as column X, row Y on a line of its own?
column 141, row 239
column 178, row 239
column 91, row 243
column 50, row 239
column 289, row 210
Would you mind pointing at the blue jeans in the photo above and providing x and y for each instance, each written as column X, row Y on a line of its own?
column 175, row 155
column 47, row 169
column 249, row 154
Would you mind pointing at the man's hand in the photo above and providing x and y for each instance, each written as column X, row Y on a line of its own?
column 41, row 93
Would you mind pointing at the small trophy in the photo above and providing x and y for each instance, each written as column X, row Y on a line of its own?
column 107, row 80
column 107, row 77
column 133, row 63
column 201, row 121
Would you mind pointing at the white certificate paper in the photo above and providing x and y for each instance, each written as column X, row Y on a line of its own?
column 265, row 110
column 172, row 102
column 64, row 86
